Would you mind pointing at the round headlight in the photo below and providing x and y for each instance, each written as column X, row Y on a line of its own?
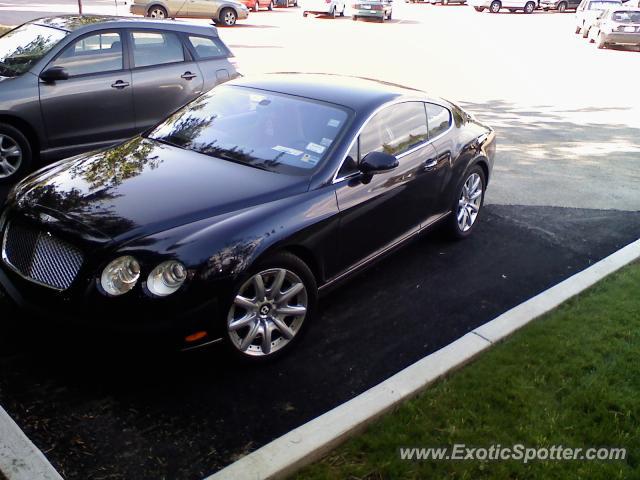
column 166, row 278
column 120, row 276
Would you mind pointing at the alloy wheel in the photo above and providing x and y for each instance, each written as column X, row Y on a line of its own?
column 267, row 312
column 10, row 156
column 469, row 202
column 157, row 13
column 229, row 18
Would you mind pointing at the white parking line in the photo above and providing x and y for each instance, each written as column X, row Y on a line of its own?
column 311, row 441
column 20, row 459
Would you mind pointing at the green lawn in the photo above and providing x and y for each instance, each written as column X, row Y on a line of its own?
column 570, row 378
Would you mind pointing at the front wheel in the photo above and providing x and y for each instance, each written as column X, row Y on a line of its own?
column 342, row 12
column 495, row 6
column 15, row 154
column 468, row 202
column 228, row 17
column 332, row 13
column 157, row 12
column 270, row 7
column 529, row 7
column 256, row 7
column 270, row 306
column 562, row 7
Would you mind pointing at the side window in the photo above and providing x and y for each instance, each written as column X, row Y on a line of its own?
column 97, row 53
column 206, row 47
column 395, row 130
column 439, row 119
column 156, row 48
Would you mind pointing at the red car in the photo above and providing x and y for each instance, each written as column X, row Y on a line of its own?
column 256, row 5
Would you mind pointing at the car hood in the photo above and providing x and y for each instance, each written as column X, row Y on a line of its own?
column 143, row 187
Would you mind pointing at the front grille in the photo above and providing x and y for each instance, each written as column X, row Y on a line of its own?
column 40, row 257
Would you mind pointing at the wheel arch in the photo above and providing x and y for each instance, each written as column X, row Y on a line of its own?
column 158, row 4
column 26, row 128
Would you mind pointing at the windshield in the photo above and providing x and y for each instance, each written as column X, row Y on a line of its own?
column 22, row 47
column 626, row 17
column 602, row 5
column 266, row 130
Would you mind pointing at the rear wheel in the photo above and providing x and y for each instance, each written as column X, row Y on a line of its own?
column 390, row 13
column 468, row 203
column 343, row 9
column 270, row 306
column 495, row 6
column 529, row 7
column 157, row 11
column 585, row 31
column 256, row 7
column 15, row 154
column 562, row 7
column 578, row 29
column 270, row 7
column 332, row 13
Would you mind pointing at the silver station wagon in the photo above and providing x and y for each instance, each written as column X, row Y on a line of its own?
column 71, row 84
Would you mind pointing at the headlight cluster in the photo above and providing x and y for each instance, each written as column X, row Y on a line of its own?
column 123, row 273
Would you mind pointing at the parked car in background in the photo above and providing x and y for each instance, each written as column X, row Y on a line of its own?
column 324, row 7
column 494, row 6
column 379, row 9
column 338, row 171
column 616, row 27
column 223, row 12
column 448, row 2
column 71, row 84
column 559, row 5
column 256, row 5
column 286, row 3
column 588, row 11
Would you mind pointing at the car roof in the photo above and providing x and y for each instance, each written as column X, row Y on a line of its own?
column 73, row 23
column 356, row 93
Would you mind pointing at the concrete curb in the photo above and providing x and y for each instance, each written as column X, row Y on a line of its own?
column 20, row 459
column 309, row 442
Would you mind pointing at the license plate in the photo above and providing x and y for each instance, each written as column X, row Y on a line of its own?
column 629, row 29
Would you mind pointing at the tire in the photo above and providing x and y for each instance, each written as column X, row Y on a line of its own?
column 390, row 14
column 157, row 11
column 479, row 9
column 457, row 219
column 255, row 311
column 332, row 13
column 601, row 42
column 562, row 7
column 529, row 7
column 270, row 7
column 578, row 29
column 16, row 154
column 343, row 9
column 354, row 17
column 585, row 32
column 228, row 17
column 304, row 14
column 495, row 6
column 256, row 7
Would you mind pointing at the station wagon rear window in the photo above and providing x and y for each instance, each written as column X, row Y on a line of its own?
column 271, row 131
column 22, row 47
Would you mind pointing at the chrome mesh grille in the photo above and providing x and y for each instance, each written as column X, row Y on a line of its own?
column 40, row 257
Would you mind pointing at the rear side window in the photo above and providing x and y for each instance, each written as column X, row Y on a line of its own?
column 395, row 129
column 207, row 47
column 97, row 53
column 439, row 119
column 156, row 48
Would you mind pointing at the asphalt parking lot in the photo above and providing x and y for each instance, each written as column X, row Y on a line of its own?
column 563, row 195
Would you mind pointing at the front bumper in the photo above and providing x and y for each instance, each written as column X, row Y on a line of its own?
column 137, row 324
column 622, row 38
column 243, row 14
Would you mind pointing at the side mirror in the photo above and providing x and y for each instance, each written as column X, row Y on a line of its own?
column 54, row 74
column 378, row 162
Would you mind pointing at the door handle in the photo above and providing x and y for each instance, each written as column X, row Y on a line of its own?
column 431, row 164
column 120, row 84
column 188, row 75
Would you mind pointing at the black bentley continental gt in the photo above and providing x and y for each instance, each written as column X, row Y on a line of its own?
column 226, row 221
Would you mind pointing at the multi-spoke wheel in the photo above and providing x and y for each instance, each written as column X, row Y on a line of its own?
column 15, row 153
column 270, row 307
column 228, row 17
column 468, row 203
column 157, row 12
